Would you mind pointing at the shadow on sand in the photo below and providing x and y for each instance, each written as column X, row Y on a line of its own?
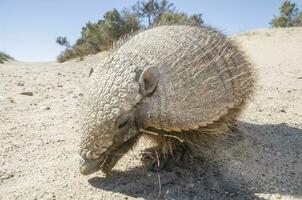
column 258, row 159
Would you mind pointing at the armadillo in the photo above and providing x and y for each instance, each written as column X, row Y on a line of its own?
column 178, row 84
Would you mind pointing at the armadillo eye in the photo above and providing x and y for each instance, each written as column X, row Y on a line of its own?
column 122, row 121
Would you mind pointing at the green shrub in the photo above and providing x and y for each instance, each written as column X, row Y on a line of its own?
column 100, row 36
column 289, row 16
column 179, row 18
column 299, row 20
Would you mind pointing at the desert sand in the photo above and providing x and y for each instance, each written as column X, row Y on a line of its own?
column 39, row 135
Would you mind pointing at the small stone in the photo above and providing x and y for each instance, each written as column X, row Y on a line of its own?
column 59, row 85
column 282, row 110
column 46, row 108
column 20, row 83
column 11, row 99
column 27, row 93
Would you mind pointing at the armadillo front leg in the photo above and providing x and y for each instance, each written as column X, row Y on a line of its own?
column 156, row 161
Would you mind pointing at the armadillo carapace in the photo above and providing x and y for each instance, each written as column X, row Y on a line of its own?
column 180, row 85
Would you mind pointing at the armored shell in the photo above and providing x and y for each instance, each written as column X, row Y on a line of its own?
column 167, row 78
column 202, row 75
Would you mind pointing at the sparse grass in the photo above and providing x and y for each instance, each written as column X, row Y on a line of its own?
column 4, row 57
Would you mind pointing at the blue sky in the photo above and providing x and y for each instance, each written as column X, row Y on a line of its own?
column 28, row 28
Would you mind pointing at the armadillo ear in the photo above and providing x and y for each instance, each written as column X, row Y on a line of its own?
column 148, row 80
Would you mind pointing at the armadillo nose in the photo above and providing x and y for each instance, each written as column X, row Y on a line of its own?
column 87, row 167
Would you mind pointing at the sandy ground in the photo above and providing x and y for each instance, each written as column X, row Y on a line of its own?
column 39, row 137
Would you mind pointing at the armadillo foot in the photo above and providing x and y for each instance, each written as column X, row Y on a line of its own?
column 157, row 161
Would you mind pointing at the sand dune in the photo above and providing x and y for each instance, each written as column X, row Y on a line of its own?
column 39, row 136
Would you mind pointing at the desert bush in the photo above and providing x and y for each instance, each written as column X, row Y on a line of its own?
column 179, row 18
column 289, row 16
column 63, row 41
column 149, row 11
column 100, row 36
column 299, row 20
column 96, row 37
column 4, row 57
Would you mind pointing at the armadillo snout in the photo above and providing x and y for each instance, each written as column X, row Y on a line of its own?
column 89, row 166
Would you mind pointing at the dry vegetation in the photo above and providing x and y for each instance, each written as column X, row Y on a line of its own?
column 4, row 57
column 100, row 36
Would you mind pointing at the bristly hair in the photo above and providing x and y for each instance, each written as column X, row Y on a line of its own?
column 204, row 136
column 199, row 140
column 124, row 38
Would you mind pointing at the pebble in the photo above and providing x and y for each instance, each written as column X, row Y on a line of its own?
column 12, row 99
column 27, row 93
column 46, row 108
column 20, row 83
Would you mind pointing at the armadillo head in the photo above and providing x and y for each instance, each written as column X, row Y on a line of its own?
column 113, row 111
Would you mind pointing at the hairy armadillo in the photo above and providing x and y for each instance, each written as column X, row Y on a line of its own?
column 179, row 84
